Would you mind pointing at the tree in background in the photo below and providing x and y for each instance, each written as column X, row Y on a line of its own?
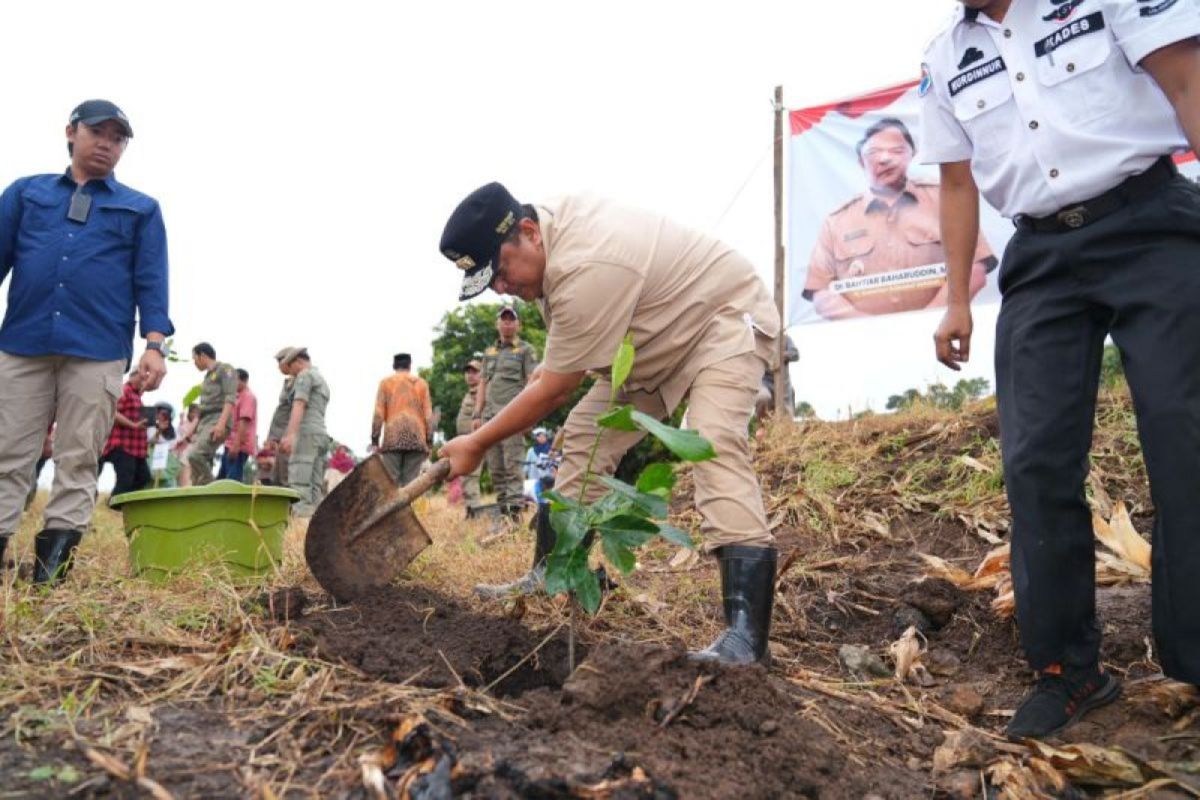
column 1112, row 370
column 939, row 395
column 464, row 333
column 804, row 410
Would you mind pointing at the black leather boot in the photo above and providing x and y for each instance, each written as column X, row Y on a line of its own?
column 532, row 581
column 54, row 552
column 748, row 594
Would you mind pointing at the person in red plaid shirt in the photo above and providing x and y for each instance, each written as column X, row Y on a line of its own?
column 127, row 446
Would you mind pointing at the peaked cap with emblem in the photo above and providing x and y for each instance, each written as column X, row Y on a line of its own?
column 474, row 233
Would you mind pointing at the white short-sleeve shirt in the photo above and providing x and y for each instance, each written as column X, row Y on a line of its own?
column 1050, row 106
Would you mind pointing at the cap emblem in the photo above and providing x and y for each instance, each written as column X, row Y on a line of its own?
column 475, row 284
column 506, row 223
column 465, row 263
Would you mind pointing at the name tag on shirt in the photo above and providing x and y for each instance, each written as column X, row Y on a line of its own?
column 973, row 76
column 1092, row 23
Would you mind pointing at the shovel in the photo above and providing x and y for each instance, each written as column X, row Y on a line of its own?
column 364, row 533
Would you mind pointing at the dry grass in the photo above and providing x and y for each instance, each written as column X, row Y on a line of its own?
column 87, row 671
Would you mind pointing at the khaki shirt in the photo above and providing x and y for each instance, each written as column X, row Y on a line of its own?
column 689, row 300
column 283, row 411
column 869, row 236
column 218, row 388
column 465, row 412
column 506, row 370
column 313, row 390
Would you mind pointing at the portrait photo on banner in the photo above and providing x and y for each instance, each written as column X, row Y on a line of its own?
column 863, row 233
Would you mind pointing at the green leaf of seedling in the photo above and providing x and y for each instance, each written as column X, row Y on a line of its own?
column 652, row 504
column 558, row 579
column 619, row 418
column 622, row 364
column 676, row 536
column 560, row 502
column 191, row 395
column 657, row 479
column 629, row 531
column 570, row 527
column 618, row 554
column 586, row 586
column 687, row 444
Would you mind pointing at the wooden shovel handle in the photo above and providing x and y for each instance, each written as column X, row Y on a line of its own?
column 405, row 495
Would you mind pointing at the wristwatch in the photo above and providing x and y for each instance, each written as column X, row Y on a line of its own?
column 158, row 347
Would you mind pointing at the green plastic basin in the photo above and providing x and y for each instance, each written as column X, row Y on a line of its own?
column 225, row 523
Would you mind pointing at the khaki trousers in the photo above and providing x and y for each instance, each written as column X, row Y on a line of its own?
column 81, row 395
column 470, row 488
column 306, row 470
column 505, row 462
column 203, row 450
column 720, row 403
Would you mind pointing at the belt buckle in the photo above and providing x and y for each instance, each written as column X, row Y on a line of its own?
column 1073, row 217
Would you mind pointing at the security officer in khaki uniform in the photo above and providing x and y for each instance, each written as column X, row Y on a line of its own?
column 217, row 396
column 306, row 442
column 704, row 328
column 1065, row 116
column 279, row 421
column 507, row 367
column 890, row 228
column 464, row 425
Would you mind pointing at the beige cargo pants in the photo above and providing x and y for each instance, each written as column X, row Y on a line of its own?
column 720, row 404
column 81, row 395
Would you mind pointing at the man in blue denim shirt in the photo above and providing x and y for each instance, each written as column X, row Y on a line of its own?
column 86, row 254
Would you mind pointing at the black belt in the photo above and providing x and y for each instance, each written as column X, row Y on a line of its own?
column 1130, row 191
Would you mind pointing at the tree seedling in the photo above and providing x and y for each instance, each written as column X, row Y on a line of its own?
column 626, row 517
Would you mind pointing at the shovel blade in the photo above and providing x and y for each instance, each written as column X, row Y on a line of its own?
column 347, row 565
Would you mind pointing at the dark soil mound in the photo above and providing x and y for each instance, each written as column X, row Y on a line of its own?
column 700, row 730
column 410, row 634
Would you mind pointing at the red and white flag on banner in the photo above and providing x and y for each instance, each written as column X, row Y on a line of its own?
column 863, row 232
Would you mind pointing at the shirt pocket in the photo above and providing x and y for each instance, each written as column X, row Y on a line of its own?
column 41, row 214
column 925, row 245
column 850, row 257
column 115, row 223
column 1074, row 80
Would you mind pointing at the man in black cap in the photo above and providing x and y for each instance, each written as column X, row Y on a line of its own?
column 87, row 255
column 703, row 326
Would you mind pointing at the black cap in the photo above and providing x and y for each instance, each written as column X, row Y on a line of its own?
column 93, row 112
column 474, row 232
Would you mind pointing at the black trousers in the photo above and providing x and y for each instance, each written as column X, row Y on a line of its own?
column 133, row 473
column 1134, row 274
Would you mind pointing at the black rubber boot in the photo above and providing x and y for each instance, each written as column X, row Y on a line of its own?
column 54, row 552
column 748, row 594
column 4, row 546
column 532, row 581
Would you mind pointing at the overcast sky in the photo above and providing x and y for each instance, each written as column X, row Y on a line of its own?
column 306, row 154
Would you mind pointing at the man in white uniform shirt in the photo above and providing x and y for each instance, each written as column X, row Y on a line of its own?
column 1065, row 114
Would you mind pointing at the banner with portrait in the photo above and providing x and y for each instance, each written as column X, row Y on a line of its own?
column 863, row 232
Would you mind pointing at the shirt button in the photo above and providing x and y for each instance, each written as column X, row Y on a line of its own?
column 1020, row 76
column 981, row 104
column 1054, row 173
column 1007, row 33
column 1070, row 67
column 70, row 236
column 64, row 258
column 1033, row 125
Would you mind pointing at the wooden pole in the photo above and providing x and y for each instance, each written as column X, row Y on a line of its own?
column 782, row 412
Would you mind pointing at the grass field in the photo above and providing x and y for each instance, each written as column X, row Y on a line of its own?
column 114, row 687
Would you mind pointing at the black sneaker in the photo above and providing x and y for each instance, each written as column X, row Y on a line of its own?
column 1059, row 701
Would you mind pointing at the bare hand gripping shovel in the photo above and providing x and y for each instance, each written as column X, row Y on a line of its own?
column 364, row 533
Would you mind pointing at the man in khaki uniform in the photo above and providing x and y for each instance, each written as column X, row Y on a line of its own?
column 892, row 231
column 704, row 328
column 464, row 425
column 305, row 442
column 507, row 367
column 218, row 393
column 279, row 421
